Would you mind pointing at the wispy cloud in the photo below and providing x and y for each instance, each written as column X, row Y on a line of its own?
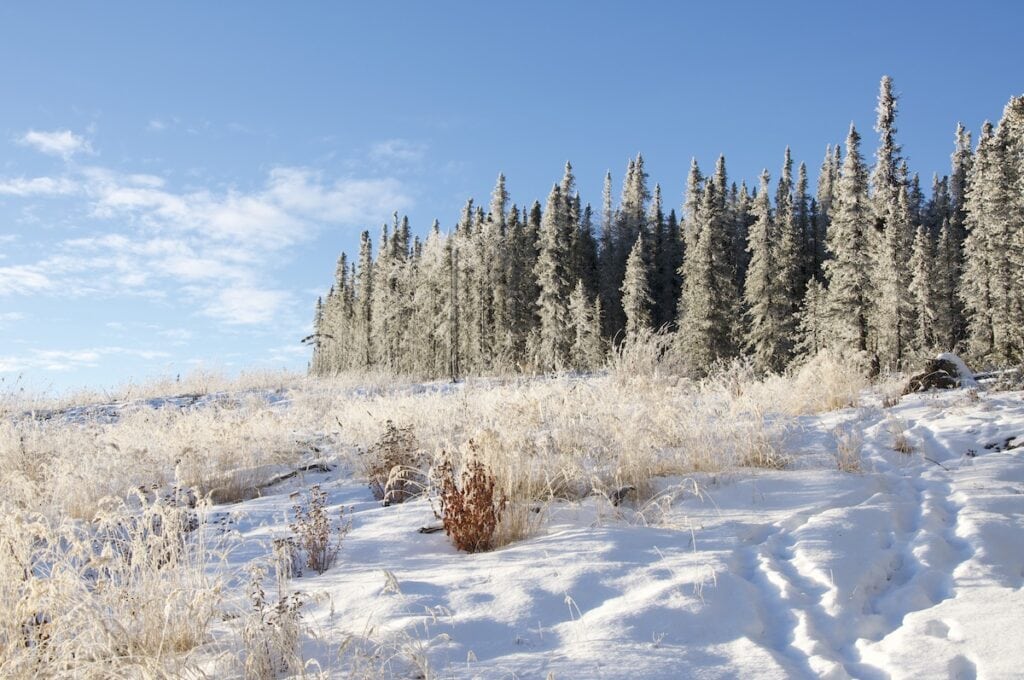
column 6, row 318
column 213, row 250
column 56, row 142
column 65, row 360
column 37, row 186
column 24, row 280
column 246, row 306
column 398, row 151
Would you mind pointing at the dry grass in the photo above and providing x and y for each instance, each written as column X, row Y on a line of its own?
column 128, row 595
column 900, row 440
column 849, row 449
column 139, row 604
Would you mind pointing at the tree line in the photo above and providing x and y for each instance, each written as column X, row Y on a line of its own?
column 865, row 263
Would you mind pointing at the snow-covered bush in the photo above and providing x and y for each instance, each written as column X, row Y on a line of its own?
column 395, row 465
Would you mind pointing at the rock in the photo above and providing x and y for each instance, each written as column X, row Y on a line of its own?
column 944, row 372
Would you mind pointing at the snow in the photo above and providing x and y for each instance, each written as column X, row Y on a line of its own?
column 965, row 374
column 912, row 568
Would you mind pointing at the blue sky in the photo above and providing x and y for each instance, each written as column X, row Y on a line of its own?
column 177, row 179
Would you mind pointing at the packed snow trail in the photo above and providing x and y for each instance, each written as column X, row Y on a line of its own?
column 911, row 568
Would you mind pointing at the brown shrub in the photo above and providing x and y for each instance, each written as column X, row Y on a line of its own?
column 470, row 510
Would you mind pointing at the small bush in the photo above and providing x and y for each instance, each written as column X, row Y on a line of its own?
column 470, row 510
column 900, row 441
column 849, row 442
column 395, row 465
column 271, row 632
column 315, row 534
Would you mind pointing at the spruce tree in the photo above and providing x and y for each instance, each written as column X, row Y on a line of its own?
column 787, row 261
column 886, row 180
column 805, row 232
column 945, row 274
column 847, row 269
column 551, row 273
column 815, row 322
column 765, row 339
column 922, row 289
column 607, row 259
column 709, row 300
column 636, row 297
column 586, row 352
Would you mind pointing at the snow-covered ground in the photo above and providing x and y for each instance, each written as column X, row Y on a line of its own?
column 911, row 568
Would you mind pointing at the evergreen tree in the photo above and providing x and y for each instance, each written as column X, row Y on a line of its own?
column 962, row 160
column 551, row 273
column 945, row 271
column 607, row 259
column 814, row 320
column 709, row 302
column 585, row 253
column 765, row 338
column 828, row 177
column 847, row 269
column 990, row 288
column 586, row 352
column 886, row 180
column 743, row 219
column 636, row 297
column 805, row 232
column 656, row 254
column 787, row 261
column 922, row 291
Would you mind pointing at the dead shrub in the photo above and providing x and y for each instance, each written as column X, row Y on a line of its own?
column 849, row 445
column 395, row 466
column 470, row 508
column 900, row 440
column 316, row 536
column 271, row 632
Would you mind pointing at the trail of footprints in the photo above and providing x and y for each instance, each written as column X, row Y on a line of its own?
column 801, row 620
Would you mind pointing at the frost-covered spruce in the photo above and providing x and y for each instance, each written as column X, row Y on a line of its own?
column 889, row 241
column 764, row 338
column 636, row 297
column 922, row 291
column 552, row 279
column 847, row 270
column 586, row 352
column 709, row 302
column 786, row 262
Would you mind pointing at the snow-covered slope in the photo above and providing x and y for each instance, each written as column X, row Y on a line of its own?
column 911, row 568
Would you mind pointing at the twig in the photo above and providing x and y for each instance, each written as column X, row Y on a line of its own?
column 937, row 463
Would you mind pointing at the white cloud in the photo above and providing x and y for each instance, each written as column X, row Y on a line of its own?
column 246, row 306
column 24, row 279
column 205, row 248
column 37, row 186
column 346, row 201
column 66, row 360
column 156, row 125
column 177, row 336
column 398, row 151
column 6, row 318
column 56, row 142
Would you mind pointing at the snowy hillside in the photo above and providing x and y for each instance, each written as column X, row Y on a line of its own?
column 800, row 526
column 912, row 567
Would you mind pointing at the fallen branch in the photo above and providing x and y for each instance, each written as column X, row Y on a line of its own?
column 937, row 463
column 311, row 467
